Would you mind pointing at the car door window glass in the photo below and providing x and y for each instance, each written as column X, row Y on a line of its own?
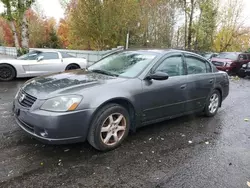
column 242, row 57
column 49, row 55
column 195, row 65
column 173, row 66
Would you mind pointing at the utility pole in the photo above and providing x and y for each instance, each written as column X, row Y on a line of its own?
column 127, row 40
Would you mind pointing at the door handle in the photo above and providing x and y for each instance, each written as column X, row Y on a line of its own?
column 211, row 81
column 184, row 86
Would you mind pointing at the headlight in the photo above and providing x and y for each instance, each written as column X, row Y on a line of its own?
column 62, row 103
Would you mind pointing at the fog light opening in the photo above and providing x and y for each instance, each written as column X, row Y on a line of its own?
column 44, row 133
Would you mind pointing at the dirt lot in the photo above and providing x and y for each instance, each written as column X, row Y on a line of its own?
column 159, row 155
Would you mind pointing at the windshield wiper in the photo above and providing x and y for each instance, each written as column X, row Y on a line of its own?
column 104, row 72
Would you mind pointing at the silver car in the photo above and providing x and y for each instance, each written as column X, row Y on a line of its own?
column 38, row 63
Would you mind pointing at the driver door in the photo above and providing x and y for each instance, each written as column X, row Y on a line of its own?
column 46, row 63
column 165, row 98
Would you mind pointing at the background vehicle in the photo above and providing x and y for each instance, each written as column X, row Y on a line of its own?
column 244, row 71
column 119, row 93
column 37, row 63
column 231, row 62
column 209, row 55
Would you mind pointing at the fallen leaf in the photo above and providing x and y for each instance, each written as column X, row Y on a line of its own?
column 153, row 152
column 246, row 119
column 190, row 142
column 206, row 142
column 162, row 138
column 66, row 150
column 150, row 139
column 248, row 184
column 41, row 163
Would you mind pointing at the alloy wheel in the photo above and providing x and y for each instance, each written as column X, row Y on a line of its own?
column 113, row 129
column 214, row 103
column 5, row 72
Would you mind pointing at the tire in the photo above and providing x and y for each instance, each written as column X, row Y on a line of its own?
column 72, row 67
column 212, row 104
column 241, row 74
column 7, row 72
column 102, row 132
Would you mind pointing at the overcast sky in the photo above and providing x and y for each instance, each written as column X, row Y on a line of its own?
column 52, row 8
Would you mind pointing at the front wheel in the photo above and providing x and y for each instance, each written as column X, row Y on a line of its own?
column 213, row 103
column 109, row 127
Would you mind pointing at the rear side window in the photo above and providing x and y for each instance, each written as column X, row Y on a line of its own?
column 49, row 55
column 65, row 55
column 196, row 65
column 242, row 57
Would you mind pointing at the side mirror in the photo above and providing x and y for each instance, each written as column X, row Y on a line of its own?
column 157, row 76
column 40, row 58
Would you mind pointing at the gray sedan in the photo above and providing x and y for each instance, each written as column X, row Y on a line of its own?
column 121, row 92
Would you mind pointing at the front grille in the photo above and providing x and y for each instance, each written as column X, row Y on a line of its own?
column 25, row 99
column 219, row 64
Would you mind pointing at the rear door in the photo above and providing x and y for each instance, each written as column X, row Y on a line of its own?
column 200, row 81
column 50, row 63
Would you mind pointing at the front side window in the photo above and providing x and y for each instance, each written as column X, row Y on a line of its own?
column 195, row 65
column 242, row 57
column 49, row 55
column 124, row 64
column 173, row 66
column 29, row 56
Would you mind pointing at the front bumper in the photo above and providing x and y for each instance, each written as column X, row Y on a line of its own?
column 53, row 127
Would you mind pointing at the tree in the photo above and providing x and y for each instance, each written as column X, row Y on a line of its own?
column 15, row 13
column 99, row 25
column 230, row 27
column 63, row 33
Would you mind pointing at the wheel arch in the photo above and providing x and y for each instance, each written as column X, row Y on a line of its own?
column 220, row 91
column 72, row 64
column 124, row 102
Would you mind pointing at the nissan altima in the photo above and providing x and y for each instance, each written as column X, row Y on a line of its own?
column 118, row 94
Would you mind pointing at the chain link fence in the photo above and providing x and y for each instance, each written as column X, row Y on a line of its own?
column 91, row 56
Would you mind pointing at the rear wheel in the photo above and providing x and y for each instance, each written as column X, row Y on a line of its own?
column 72, row 67
column 7, row 73
column 213, row 103
column 109, row 127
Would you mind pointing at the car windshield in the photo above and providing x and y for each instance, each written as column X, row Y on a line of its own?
column 226, row 55
column 124, row 64
column 29, row 56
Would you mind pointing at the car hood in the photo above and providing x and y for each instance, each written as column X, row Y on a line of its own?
column 221, row 60
column 70, row 82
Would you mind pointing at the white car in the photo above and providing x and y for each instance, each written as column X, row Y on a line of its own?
column 38, row 63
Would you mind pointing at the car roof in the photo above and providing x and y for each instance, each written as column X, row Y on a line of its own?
column 163, row 51
column 40, row 51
